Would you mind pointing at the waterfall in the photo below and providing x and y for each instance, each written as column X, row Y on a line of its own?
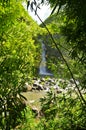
column 43, row 67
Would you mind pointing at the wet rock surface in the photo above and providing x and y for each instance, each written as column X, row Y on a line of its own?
column 47, row 84
column 40, row 84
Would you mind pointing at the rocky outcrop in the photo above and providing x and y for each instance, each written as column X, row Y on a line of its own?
column 47, row 84
column 40, row 84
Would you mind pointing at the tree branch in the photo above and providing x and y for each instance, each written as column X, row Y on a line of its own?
column 80, row 97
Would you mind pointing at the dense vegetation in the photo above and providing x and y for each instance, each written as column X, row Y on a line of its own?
column 19, row 61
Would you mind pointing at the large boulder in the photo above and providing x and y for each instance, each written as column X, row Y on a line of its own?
column 27, row 87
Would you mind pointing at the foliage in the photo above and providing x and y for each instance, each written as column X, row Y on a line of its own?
column 67, row 42
column 63, row 111
column 30, row 123
column 17, row 61
column 19, row 54
column 72, row 27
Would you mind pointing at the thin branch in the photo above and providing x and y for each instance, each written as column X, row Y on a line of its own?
column 81, row 97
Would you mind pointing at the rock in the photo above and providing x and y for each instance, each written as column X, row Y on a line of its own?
column 59, row 91
column 27, row 87
column 47, row 89
column 42, row 79
column 40, row 87
column 37, row 86
column 35, row 78
column 35, row 111
column 56, row 87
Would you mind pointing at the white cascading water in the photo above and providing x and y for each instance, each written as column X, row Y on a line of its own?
column 43, row 68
